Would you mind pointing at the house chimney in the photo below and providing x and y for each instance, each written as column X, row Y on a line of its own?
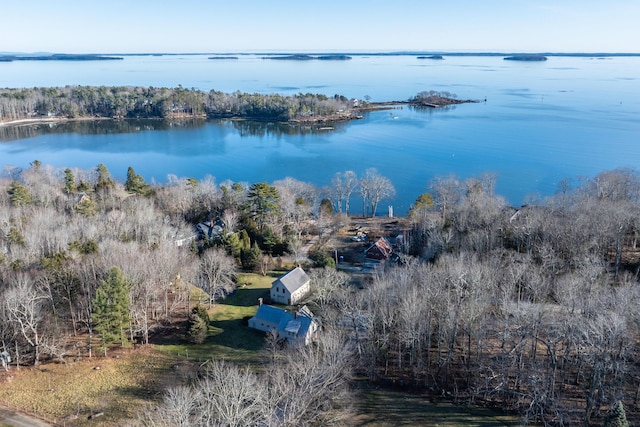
column 259, row 301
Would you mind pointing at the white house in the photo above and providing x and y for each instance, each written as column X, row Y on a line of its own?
column 290, row 288
column 297, row 328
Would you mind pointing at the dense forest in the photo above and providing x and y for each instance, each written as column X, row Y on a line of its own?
column 530, row 309
column 140, row 102
column 125, row 102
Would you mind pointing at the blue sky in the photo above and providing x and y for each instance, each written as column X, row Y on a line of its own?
column 204, row 26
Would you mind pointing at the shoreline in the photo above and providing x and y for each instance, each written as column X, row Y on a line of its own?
column 50, row 120
column 355, row 114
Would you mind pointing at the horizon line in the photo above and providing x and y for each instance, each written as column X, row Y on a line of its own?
column 346, row 52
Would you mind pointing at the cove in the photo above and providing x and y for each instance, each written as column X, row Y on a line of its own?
column 542, row 122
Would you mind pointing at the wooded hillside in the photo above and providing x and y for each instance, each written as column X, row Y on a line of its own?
column 530, row 309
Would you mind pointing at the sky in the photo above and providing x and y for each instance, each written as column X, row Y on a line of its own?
column 214, row 26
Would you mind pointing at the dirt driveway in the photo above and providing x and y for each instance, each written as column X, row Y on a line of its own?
column 12, row 418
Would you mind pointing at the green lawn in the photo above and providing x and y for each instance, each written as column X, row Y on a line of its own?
column 228, row 337
column 231, row 340
column 386, row 408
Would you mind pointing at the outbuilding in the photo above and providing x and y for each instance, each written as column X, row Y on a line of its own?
column 290, row 288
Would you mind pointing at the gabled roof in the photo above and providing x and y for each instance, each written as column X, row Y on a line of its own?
column 382, row 246
column 210, row 229
column 287, row 322
column 269, row 313
column 294, row 279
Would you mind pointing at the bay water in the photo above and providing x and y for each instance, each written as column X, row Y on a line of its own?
column 536, row 123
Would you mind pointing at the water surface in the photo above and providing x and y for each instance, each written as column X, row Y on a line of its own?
column 541, row 122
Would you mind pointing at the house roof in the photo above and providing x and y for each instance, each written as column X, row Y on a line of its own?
column 269, row 313
column 211, row 229
column 287, row 322
column 299, row 324
column 382, row 246
column 293, row 326
column 293, row 280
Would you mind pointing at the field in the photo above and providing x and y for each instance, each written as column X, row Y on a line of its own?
column 228, row 338
column 116, row 387
column 119, row 385
column 109, row 391
column 386, row 408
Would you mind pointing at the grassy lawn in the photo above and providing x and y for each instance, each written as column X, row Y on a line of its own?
column 118, row 385
column 121, row 384
column 386, row 408
column 228, row 337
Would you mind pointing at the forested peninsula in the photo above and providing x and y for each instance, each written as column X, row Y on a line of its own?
column 20, row 106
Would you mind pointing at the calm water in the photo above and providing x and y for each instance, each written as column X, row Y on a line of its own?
column 541, row 122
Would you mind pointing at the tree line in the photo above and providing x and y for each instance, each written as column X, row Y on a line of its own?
column 529, row 309
column 130, row 102
column 140, row 102
column 88, row 254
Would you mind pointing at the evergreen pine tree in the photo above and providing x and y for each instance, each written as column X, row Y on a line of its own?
column 326, row 208
column 264, row 200
column 15, row 236
column 233, row 244
column 245, row 242
column 84, row 186
column 198, row 325
column 104, row 181
column 616, row 416
column 111, row 308
column 87, row 207
column 135, row 183
column 251, row 258
column 18, row 194
column 69, row 182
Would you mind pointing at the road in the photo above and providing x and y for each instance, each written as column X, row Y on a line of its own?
column 15, row 419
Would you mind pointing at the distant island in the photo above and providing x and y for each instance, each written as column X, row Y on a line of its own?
column 301, row 57
column 526, row 58
column 59, row 57
column 431, row 57
column 333, row 57
column 223, row 57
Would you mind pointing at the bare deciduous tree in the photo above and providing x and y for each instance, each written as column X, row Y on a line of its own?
column 24, row 305
column 374, row 188
column 217, row 273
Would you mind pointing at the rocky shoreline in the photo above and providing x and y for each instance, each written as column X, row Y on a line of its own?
column 48, row 120
column 355, row 113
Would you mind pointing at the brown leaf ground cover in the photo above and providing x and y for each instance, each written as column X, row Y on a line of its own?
column 121, row 385
column 117, row 386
